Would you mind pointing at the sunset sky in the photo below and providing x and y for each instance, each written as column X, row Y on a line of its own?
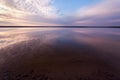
column 59, row 12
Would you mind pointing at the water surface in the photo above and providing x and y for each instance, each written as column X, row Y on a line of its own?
column 60, row 53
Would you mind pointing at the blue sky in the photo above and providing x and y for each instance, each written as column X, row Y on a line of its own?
column 68, row 6
column 59, row 12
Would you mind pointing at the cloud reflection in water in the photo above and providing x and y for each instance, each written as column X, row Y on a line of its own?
column 60, row 46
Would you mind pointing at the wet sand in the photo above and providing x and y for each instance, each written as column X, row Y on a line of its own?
column 60, row 54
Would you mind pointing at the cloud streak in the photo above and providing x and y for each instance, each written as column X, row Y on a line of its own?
column 44, row 13
column 105, row 13
column 37, row 12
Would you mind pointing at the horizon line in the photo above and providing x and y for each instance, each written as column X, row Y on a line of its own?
column 65, row 26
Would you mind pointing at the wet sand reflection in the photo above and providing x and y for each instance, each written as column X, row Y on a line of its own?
column 60, row 54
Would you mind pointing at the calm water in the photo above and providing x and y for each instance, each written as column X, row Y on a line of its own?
column 100, row 46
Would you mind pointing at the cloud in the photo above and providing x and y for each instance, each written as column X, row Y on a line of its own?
column 105, row 13
column 28, row 11
column 41, row 7
column 44, row 13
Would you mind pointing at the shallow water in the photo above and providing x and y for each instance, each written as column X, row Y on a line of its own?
column 58, row 51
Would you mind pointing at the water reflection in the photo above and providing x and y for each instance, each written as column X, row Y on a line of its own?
column 104, row 39
column 10, row 36
column 71, row 50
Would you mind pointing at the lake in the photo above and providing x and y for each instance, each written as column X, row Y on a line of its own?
column 59, row 53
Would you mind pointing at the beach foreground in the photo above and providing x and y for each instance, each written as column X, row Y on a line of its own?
column 59, row 54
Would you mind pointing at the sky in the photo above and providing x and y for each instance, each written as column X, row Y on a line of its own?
column 59, row 12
